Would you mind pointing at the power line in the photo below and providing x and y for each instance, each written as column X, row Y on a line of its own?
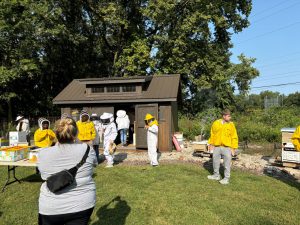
column 256, row 21
column 267, row 9
column 289, row 72
column 274, row 78
column 277, row 85
column 270, row 32
column 276, row 63
column 280, row 56
column 294, row 66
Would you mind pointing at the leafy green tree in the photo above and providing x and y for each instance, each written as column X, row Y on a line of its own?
column 45, row 44
column 292, row 100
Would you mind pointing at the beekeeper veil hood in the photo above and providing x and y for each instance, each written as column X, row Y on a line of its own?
column 19, row 118
column 106, row 118
column 43, row 120
column 121, row 113
column 94, row 117
column 84, row 113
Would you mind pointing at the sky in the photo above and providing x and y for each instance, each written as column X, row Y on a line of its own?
column 273, row 38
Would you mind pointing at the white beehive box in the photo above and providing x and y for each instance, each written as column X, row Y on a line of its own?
column 288, row 153
column 16, row 136
column 290, row 156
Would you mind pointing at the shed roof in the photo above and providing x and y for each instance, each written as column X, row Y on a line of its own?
column 161, row 88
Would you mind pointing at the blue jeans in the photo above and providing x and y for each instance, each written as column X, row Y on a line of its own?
column 123, row 135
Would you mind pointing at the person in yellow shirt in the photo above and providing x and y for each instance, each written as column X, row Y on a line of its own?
column 86, row 128
column 296, row 139
column 223, row 142
column 44, row 137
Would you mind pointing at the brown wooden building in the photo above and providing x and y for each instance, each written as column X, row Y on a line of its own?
column 158, row 95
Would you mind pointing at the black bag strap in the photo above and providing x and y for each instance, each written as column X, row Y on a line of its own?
column 86, row 154
column 74, row 169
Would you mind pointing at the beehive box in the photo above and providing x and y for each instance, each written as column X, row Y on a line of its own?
column 199, row 146
column 15, row 137
column 288, row 153
column 290, row 156
column 286, row 135
column 12, row 154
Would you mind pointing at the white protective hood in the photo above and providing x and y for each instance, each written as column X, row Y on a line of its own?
column 40, row 122
column 106, row 116
column 121, row 113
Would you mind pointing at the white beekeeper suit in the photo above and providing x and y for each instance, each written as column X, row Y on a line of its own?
column 123, row 123
column 122, row 120
column 110, row 134
column 98, row 128
column 152, row 138
column 23, row 124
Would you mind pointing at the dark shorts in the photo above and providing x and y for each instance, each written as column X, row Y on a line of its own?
column 77, row 218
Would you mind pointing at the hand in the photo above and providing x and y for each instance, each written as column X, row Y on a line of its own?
column 232, row 151
column 211, row 147
column 146, row 126
column 111, row 141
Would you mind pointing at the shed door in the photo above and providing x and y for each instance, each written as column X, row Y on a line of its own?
column 140, row 113
column 165, row 124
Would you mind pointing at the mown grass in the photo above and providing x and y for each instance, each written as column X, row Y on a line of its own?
column 169, row 194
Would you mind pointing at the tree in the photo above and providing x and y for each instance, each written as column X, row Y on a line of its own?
column 292, row 100
column 243, row 73
column 45, row 44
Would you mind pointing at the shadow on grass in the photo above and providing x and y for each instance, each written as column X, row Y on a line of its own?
column 114, row 212
column 276, row 173
column 101, row 159
column 1, row 214
column 208, row 165
column 283, row 177
column 119, row 158
column 34, row 178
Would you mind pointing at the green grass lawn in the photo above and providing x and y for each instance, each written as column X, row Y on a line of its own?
column 169, row 194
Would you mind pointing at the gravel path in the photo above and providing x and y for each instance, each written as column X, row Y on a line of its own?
column 257, row 164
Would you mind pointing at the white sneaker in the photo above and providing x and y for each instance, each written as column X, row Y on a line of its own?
column 224, row 181
column 214, row 177
column 109, row 166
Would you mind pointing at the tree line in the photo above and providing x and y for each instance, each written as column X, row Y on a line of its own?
column 46, row 44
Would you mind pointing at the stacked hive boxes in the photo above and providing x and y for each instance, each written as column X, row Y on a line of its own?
column 289, row 154
column 12, row 154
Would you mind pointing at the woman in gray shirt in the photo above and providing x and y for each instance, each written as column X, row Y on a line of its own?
column 74, row 204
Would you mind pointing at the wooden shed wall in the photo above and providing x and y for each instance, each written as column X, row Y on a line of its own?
column 165, row 112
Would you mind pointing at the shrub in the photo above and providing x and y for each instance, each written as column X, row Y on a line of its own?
column 254, row 125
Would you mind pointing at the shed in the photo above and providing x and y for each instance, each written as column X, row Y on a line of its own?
column 158, row 95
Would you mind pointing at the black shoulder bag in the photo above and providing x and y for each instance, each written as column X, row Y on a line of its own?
column 65, row 178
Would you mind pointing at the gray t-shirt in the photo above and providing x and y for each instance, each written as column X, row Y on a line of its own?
column 79, row 196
